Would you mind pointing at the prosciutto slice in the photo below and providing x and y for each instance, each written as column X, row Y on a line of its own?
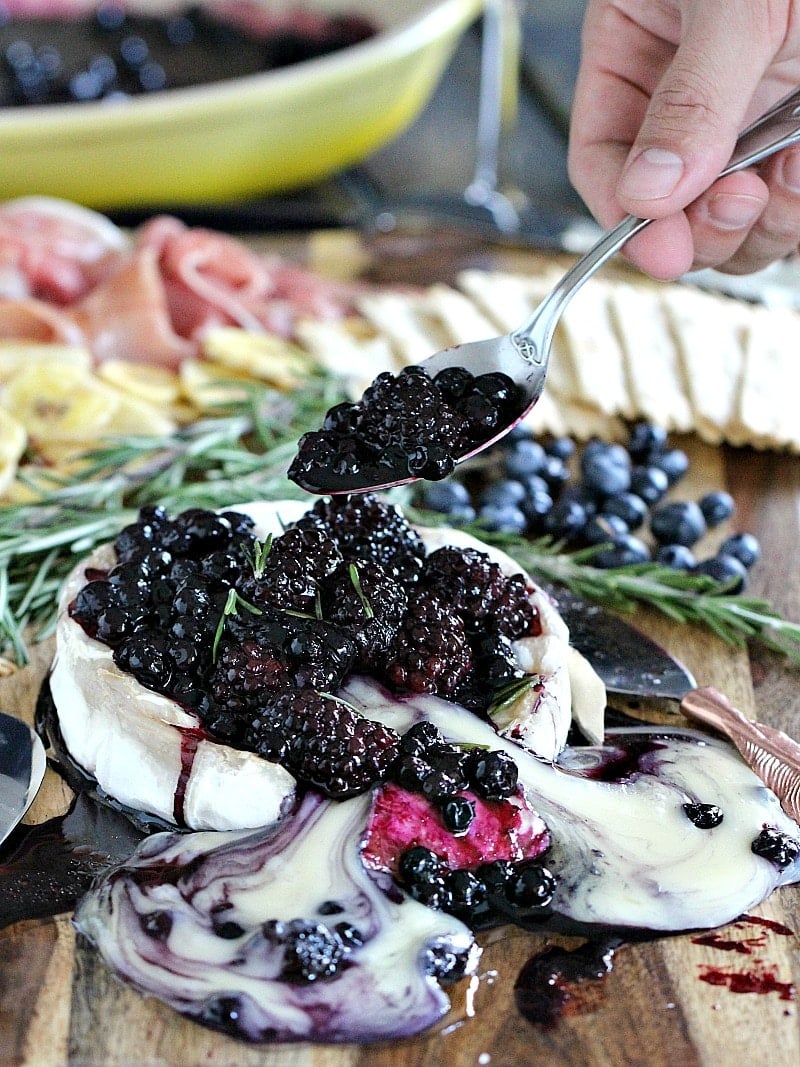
column 69, row 274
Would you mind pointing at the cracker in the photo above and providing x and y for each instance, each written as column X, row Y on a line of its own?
column 595, row 350
column 653, row 365
column 709, row 334
column 766, row 414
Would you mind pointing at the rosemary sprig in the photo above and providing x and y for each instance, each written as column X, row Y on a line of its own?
column 232, row 606
column 241, row 454
column 682, row 597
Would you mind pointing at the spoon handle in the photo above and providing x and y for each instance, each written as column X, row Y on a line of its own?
column 776, row 129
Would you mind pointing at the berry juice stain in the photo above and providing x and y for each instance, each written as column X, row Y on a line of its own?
column 760, row 979
column 190, row 739
column 559, row 982
column 45, row 869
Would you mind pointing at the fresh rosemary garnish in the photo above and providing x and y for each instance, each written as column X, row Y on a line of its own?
column 232, row 606
column 242, row 454
column 365, row 604
column 258, row 560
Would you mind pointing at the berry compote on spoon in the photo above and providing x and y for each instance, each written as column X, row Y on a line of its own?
column 423, row 421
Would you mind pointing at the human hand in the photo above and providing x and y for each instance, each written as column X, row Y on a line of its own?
column 663, row 90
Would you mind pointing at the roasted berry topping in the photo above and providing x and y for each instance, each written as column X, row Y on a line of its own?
column 326, row 744
column 493, row 775
column 430, row 653
column 365, row 528
column 405, row 426
column 367, row 601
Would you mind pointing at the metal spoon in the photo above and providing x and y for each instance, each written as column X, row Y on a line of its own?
column 22, row 767
column 523, row 354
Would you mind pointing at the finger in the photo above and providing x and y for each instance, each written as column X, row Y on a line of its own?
column 723, row 217
column 664, row 250
column 776, row 233
column 698, row 107
column 620, row 67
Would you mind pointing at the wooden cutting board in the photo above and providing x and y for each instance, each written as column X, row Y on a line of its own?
column 59, row 1005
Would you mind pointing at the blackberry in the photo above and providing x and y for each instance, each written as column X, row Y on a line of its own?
column 146, row 655
column 430, row 653
column 312, row 952
column 777, row 847
column 512, row 612
column 365, row 528
column 329, row 746
column 296, row 563
column 368, row 602
column 245, row 673
column 465, row 578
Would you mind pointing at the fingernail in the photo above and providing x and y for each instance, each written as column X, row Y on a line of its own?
column 790, row 172
column 731, row 212
column 653, row 175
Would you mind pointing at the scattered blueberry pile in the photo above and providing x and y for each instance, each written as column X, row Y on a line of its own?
column 604, row 494
column 112, row 54
column 252, row 636
column 405, row 426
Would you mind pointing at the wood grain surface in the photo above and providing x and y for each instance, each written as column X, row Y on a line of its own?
column 59, row 1005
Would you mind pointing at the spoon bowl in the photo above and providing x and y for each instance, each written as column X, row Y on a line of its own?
column 22, row 767
column 522, row 355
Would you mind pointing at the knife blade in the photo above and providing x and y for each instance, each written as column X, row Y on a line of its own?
column 631, row 663
column 627, row 660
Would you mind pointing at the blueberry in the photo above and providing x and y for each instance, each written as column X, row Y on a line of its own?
column 444, row 496
column 679, row 522
column 776, row 846
column 503, row 518
column 725, row 569
column 555, row 472
column 677, row 557
column 604, row 529
column 649, row 483
column 566, row 520
column 508, row 491
column 704, row 816
column 607, row 470
column 742, row 546
column 536, row 508
column 531, row 888
column 627, row 506
column 581, row 494
column 626, row 551
column 646, row 439
column 493, row 775
column 467, row 891
column 716, row 507
column 419, row 864
column 563, row 447
column 525, row 458
column 674, row 463
column 457, row 813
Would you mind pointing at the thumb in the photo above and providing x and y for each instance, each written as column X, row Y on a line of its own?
column 697, row 109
